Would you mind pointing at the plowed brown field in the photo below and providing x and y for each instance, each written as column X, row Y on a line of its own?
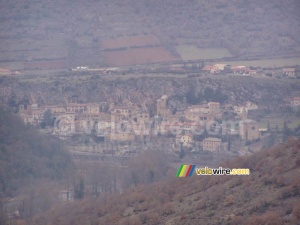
column 138, row 56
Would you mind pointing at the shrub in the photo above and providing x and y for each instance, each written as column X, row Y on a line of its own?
column 168, row 209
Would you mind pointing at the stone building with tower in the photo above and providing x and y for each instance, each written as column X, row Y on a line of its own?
column 249, row 130
column 161, row 106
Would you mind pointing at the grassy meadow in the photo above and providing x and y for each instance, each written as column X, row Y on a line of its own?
column 192, row 52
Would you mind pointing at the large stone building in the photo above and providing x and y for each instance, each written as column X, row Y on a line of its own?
column 120, row 113
column 206, row 112
column 290, row 72
column 31, row 114
column 295, row 103
column 214, row 107
column 91, row 108
column 251, row 106
column 198, row 113
column 56, row 110
column 249, row 130
column 212, row 144
column 142, row 117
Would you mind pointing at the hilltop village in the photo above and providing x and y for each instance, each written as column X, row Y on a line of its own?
column 210, row 127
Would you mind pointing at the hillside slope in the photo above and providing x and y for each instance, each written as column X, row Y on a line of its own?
column 270, row 195
column 26, row 155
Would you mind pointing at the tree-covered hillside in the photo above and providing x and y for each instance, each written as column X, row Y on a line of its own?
column 26, row 155
column 269, row 195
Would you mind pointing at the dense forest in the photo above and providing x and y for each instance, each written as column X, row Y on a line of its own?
column 32, row 168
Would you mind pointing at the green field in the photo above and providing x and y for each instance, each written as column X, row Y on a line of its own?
column 278, row 62
column 192, row 52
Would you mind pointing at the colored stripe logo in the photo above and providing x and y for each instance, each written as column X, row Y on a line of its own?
column 185, row 170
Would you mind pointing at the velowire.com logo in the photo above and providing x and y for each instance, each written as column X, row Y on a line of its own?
column 188, row 170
